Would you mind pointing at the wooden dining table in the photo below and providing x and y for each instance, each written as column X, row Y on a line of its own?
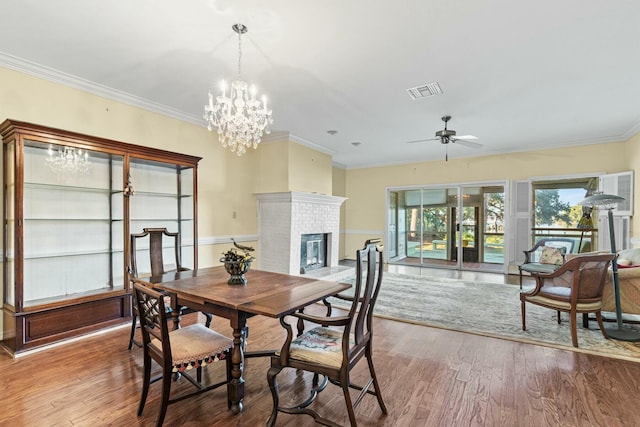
column 266, row 293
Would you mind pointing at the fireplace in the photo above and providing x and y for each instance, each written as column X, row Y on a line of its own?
column 283, row 218
column 313, row 252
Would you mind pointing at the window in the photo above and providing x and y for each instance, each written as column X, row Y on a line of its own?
column 556, row 212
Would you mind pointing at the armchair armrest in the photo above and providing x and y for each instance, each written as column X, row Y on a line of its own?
column 342, row 297
column 527, row 255
column 322, row 320
column 574, row 261
column 573, row 265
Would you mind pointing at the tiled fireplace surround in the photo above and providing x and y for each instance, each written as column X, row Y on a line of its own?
column 284, row 217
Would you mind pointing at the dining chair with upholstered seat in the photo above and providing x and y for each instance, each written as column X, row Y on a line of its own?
column 576, row 287
column 334, row 348
column 177, row 351
column 153, row 264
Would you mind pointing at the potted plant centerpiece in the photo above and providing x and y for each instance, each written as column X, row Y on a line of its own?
column 237, row 261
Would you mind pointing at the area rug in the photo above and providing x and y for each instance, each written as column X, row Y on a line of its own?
column 488, row 309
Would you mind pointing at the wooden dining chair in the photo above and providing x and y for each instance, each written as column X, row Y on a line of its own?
column 177, row 351
column 576, row 287
column 154, row 265
column 334, row 348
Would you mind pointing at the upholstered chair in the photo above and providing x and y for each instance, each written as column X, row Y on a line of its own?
column 179, row 351
column 576, row 287
column 333, row 348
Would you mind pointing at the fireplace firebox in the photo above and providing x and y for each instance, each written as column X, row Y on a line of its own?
column 313, row 252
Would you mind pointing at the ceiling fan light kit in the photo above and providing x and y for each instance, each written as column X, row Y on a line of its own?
column 446, row 136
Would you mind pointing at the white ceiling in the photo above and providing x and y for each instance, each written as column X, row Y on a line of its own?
column 518, row 75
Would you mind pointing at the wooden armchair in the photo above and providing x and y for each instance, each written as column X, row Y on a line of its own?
column 150, row 259
column 576, row 287
column 535, row 260
column 335, row 347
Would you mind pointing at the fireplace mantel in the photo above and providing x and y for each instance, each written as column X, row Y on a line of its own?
column 284, row 217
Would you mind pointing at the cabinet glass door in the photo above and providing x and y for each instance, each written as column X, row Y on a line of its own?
column 163, row 198
column 73, row 219
column 10, row 228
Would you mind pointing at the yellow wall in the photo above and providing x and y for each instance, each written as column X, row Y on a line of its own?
column 288, row 166
column 309, row 170
column 632, row 154
column 365, row 207
column 274, row 176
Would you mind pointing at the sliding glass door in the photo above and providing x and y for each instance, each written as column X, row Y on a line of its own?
column 451, row 227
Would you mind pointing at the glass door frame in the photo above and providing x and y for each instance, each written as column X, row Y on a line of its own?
column 415, row 244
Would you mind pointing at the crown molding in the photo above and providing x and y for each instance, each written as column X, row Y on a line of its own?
column 287, row 136
column 631, row 132
column 65, row 79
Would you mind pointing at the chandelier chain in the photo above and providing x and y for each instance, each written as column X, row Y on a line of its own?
column 239, row 53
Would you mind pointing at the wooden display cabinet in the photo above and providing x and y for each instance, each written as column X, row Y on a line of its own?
column 65, row 239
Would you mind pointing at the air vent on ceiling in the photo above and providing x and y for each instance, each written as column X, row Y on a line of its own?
column 425, row 90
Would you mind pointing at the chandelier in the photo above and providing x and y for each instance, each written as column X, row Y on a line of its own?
column 68, row 160
column 240, row 118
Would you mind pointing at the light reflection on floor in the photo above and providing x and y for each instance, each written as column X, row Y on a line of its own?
column 417, row 270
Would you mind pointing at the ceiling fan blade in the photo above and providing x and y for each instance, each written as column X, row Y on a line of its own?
column 467, row 137
column 468, row 144
column 422, row 140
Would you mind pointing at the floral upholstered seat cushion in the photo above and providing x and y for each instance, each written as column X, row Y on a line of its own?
column 319, row 345
column 194, row 346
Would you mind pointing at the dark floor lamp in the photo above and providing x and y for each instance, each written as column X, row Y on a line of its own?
column 609, row 202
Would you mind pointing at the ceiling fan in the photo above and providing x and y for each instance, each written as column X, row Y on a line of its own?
column 446, row 136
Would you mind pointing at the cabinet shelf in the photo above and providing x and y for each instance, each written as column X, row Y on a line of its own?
column 61, row 187
column 66, row 220
column 43, row 304
column 158, row 194
column 161, row 219
column 72, row 254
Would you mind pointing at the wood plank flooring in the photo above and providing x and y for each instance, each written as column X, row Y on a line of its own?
column 430, row 377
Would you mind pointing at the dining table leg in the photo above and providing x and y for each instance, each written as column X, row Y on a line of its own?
column 235, row 388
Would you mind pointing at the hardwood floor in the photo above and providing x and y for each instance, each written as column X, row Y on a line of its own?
column 429, row 377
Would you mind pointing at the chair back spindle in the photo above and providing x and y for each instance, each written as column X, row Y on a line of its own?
column 369, row 267
column 155, row 238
